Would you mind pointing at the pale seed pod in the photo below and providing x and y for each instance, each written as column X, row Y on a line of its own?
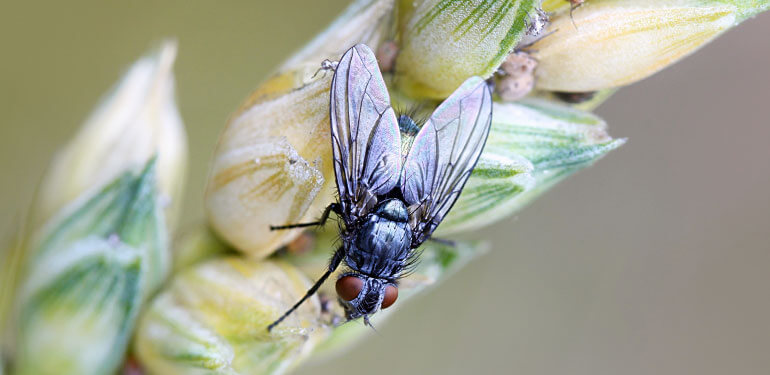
column 213, row 318
column 269, row 166
column 611, row 43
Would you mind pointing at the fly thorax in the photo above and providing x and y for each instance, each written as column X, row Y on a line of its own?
column 393, row 210
column 383, row 242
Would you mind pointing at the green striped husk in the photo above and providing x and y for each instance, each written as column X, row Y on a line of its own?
column 532, row 145
column 444, row 42
column 87, row 274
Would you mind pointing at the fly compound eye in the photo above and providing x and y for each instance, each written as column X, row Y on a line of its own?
column 391, row 293
column 348, row 287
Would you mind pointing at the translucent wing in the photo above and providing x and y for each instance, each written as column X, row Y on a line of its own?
column 443, row 155
column 365, row 138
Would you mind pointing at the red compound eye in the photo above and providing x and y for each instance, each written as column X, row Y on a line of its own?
column 348, row 287
column 391, row 293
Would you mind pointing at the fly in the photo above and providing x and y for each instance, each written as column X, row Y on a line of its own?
column 390, row 203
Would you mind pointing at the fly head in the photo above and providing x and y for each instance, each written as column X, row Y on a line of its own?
column 362, row 295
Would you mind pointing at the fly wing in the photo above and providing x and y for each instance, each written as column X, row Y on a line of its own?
column 365, row 138
column 443, row 155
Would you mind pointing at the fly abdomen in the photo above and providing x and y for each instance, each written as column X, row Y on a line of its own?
column 384, row 238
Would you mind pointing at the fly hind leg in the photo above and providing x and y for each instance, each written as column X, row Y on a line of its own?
column 335, row 207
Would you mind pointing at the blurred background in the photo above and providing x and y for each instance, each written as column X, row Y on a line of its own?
column 655, row 260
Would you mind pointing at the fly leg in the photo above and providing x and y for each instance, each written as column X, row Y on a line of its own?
column 325, row 216
column 337, row 258
column 443, row 241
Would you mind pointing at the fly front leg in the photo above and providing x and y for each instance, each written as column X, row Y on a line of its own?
column 443, row 241
column 335, row 207
column 337, row 258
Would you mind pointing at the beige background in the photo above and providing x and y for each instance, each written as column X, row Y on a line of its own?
column 654, row 261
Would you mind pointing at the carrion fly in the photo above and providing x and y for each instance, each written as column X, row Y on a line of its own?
column 391, row 203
